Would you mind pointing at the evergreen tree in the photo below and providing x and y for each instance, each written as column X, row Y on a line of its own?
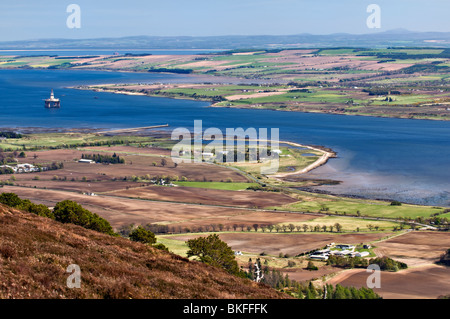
column 142, row 235
column 213, row 251
column 312, row 290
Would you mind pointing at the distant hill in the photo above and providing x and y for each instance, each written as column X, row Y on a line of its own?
column 396, row 37
column 36, row 251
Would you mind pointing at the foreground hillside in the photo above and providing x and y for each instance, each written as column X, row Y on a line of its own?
column 36, row 251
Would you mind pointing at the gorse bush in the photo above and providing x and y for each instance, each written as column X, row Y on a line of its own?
column 12, row 200
column 69, row 211
column 140, row 234
column 66, row 211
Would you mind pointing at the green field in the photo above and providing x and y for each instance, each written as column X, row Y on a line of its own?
column 178, row 247
column 54, row 140
column 364, row 207
column 290, row 160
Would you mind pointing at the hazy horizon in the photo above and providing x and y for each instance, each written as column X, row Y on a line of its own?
column 227, row 35
column 28, row 20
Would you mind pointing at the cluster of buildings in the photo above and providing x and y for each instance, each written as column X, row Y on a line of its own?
column 338, row 250
column 209, row 156
column 22, row 168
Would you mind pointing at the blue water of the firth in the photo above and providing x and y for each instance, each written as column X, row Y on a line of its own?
column 406, row 160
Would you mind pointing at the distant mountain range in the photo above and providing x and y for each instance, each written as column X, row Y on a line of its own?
column 397, row 37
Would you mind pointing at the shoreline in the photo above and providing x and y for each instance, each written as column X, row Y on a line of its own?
column 326, row 155
column 214, row 104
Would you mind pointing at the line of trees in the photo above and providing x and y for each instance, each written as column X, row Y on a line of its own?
column 104, row 158
column 164, row 229
column 10, row 135
column 170, row 70
column 74, row 145
column 385, row 263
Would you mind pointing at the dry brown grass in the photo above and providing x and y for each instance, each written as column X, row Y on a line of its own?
column 35, row 253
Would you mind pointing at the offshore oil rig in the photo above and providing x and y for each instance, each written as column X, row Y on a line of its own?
column 52, row 102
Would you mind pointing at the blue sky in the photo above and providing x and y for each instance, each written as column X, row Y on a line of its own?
column 31, row 19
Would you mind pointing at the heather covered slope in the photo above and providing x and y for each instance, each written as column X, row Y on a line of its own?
column 36, row 251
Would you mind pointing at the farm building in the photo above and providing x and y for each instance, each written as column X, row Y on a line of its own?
column 345, row 247
column 87, row 161
column 319, row 257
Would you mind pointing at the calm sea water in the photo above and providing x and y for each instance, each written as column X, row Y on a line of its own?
column 401, row 159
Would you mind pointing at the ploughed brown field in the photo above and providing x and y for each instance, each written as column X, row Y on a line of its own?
column 415, row 248
column 424, row 282
column 302, row 274
column 121, row 211
column 423, row 278
column 207, row 196
column 285, row 243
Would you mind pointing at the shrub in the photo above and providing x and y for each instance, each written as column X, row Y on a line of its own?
column 7, row 251
column 311, row 266
column 140, row 234
column 10, row 199
column 161, row 247
column 396, row 203
column 69, row 211
column 386, row 263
